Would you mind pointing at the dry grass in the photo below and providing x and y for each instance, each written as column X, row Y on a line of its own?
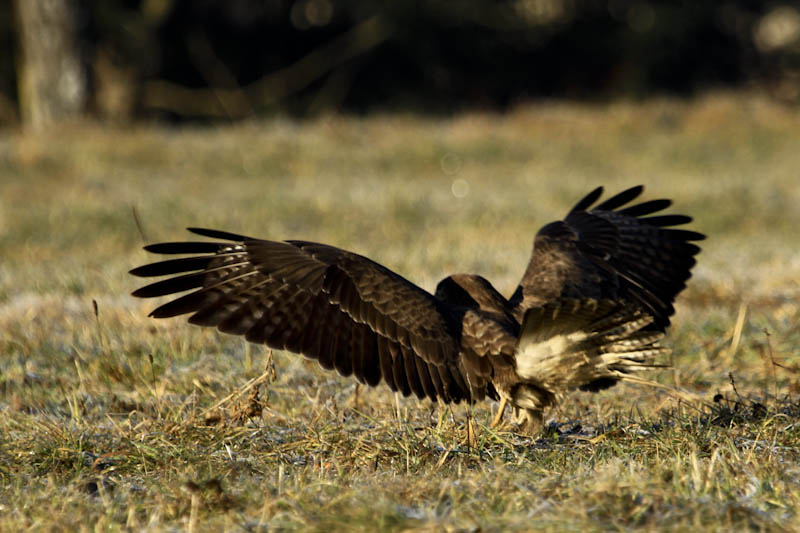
column 114, row 421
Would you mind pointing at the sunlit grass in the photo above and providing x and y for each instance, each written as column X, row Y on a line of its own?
column 113, row 420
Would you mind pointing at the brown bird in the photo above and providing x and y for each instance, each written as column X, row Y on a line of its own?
column 593, row 303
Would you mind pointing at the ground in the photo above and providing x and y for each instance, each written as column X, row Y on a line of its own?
column 110, row 420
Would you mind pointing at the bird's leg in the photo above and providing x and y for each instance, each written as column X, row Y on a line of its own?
column 355, row 397
column 499, row 417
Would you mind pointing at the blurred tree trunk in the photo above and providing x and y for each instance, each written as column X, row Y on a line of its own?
column 52, row 82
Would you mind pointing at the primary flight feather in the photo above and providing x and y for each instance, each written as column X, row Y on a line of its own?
column 595, row 299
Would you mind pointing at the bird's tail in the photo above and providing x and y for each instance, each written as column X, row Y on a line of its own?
column 577, row 343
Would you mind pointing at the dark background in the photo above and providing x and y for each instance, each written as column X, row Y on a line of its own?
column 205, row 59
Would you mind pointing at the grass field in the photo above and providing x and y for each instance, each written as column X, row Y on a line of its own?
column 113, row 421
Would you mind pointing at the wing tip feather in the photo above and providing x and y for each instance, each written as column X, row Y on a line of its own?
column 585, row 202
column 219, row 234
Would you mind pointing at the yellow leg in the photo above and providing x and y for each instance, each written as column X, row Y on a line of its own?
column 499, row 417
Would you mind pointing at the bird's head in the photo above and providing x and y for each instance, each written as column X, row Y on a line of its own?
column 469, row 290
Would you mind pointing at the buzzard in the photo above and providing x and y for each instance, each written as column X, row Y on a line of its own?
column 589, row 311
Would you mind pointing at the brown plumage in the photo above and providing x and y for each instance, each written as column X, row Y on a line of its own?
column 595, row 299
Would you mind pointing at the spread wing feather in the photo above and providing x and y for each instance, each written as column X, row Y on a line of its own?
column 578, row 343
column 611, row 252
column 347, row 312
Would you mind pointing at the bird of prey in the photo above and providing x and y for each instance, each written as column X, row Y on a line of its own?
column 589, row 311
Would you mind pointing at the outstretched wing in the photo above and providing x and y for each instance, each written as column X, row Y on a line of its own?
column 342, row 309
column 611, row 252
column 575, row 343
